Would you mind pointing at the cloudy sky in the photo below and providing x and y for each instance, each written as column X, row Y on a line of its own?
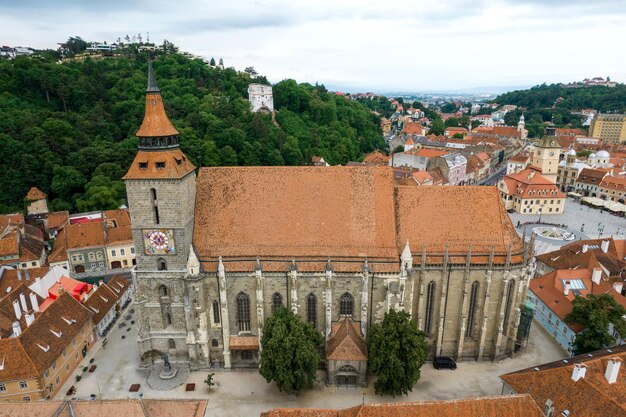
column 356, row 45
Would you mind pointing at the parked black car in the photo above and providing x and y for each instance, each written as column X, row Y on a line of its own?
column 444, row 362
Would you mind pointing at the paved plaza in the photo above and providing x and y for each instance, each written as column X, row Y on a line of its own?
column 582, row 221
column 245, row 393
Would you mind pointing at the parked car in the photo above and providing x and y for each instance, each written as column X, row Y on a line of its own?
column 444, row 362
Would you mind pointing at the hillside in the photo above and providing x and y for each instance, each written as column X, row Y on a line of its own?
column 555, row 102
column 69, row 128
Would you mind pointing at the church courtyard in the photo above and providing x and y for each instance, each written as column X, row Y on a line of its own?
column 245, row 393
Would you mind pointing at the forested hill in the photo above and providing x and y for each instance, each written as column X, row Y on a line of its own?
column 69, row 128
column 603, row 99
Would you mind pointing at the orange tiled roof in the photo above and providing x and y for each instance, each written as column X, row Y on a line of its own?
column 59, row 253
column 298, row 212
column 100, row 302
column 411, row 128
column 126, row 408
column 10, row 278
column 10, row 220
column 58, row 219
column 35, row 194
column 422, row 177
column 427, row 152
column 84, row 235
column 436, row 216
column 9, row 245
column 614, row 183
column 529, row 183
column 501, row 406
column 17, row 363
column 590, row 396
column 144, row 166
column 346, row 342
column 376, row 158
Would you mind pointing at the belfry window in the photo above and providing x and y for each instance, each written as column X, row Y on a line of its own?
column 346, row 305
column 469, row 330
column 277, row 301
column 155, row 205
column 161, row 265
column 311, row 309
column 243, row 312
column 430, row 305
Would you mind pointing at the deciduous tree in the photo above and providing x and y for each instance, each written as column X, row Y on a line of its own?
column 397, row 351
column 290, row 351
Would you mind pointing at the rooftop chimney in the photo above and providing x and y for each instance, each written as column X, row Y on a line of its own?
column 17, row 329
column 585, row 248
column 16, row 308
column 605, row 246
column 596, row 275
column 617, row 286
column 580, row 369
column 548, row 408
column 30, row 318
column 34, row 302
column 23, row 302
column 566, row 288
column 612, row 369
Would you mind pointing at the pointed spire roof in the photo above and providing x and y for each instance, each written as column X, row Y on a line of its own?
column 155, row 123
column 152, row 84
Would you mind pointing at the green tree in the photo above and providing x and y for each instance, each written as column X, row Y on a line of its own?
column 397, row 351
column 595, row 313
column 228, row 156
column 290, row 351
column 437, row 127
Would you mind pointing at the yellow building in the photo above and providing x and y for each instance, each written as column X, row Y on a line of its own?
column 44, row 348
column 545, row 155
column 611, row 128
column 528, row 192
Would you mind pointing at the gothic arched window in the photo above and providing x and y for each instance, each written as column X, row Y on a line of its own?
column 171, row 344
column 346, row 305
column 214, row 343
column 277, row 301
column 162, row 290
column 216, row 312
column 469, row 330
column 243, row 312
column 161, row 265
column 155, row 205
column 168, row 319
column 311, row 309
column 430, row 306
column 507, row 306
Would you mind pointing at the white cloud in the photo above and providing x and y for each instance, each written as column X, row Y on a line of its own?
column 427, row 44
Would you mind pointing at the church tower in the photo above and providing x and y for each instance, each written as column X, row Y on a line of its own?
column 521, row 127
column 545, row 154
column 161, row 191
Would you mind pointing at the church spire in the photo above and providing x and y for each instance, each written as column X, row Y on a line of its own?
column 156, row 131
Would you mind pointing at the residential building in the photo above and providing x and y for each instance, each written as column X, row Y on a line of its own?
column 37, row 204
column 589, row 385
column 420, row 159
column 517, row 163
column 502, row 406
column 45, row 347
column 568, row 172
column 611, row 128
column 545, row 154
column 414, row 128
column 453, row 166
column 106, row 302
column 261, row 98
column 119, row 240
column 376, row 158
column 451, row 131
column 589, row 179
column 319, row 161
column 613, row 188
column 529, row 192
column 21, row 244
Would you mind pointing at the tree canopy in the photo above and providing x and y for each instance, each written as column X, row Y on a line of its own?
column 595, row 313
column 290, row 352
column 397, row 351
column 69, row 128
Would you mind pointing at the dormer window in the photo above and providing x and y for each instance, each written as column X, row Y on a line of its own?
column 179, row 161
column 70, row 321
column 44, row 348
column 160, row 165
column 104, row 299
column 57, row 334
column 95, row 310
column 143, row 165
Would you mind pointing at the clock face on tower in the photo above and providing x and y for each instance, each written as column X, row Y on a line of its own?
column 159, row 242
column 551, row 153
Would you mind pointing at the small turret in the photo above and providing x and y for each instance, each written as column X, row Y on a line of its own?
column 407, row 256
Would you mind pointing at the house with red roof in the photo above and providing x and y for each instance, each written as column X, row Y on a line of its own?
column 529, row 192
